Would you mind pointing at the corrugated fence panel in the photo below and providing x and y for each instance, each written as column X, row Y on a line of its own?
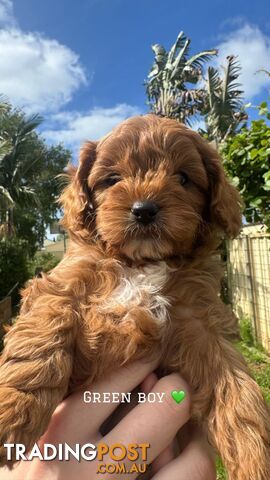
column 249, row 281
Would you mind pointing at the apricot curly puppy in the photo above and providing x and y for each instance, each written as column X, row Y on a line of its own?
column 145, row 211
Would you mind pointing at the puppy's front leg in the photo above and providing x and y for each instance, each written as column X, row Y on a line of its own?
column 227, row 399
column 35, row 368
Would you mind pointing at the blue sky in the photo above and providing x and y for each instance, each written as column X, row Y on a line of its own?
column 82, row 63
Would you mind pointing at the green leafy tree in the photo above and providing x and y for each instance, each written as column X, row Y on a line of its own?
column 28, row 192
column 42, row 262
column 14, row 267
column 5, row 147
column 223, row 108
column 28, row 184
column 19, row 165
column 171, row 83
column 246, row 159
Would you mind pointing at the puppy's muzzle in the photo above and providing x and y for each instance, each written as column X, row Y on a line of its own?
column 144, row 212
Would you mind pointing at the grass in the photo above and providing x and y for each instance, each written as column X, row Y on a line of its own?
column 259, row 364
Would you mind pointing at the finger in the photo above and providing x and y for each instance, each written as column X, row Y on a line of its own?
column 168, row 454
column 196, row 462
column 145, row 422
column 149, row 382
column 164, row 458
column 123, row 409
column 84, row 419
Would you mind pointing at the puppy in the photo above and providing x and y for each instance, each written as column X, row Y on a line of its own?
column 146, row 210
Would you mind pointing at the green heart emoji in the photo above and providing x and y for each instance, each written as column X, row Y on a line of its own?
column 178, row 396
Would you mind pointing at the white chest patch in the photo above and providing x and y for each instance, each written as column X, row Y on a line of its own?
column 141, row 287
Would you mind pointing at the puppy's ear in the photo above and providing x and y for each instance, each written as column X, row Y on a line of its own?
column 76, row 198
column 224, row 206
column 225, row 201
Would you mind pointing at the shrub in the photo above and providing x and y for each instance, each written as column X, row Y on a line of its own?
column 14, row 267
column 246, row 332
column 246, row 160
column 42, row 262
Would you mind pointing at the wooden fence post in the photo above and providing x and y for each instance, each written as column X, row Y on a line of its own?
column 252, row 286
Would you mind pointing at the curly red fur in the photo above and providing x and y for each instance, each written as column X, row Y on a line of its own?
column 125, row 291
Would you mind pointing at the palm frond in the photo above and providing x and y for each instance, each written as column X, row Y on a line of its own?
column 160, row 59
column 179, row 44
column 30, row 124
column 4, row 104
column 5, row 148
column 214, row 85
column 180, row 61
column 4, row 193
column 230, row 86
column 198, row 60
column 263, row 70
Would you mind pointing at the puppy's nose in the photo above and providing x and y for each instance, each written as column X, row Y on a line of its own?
column 145, row 212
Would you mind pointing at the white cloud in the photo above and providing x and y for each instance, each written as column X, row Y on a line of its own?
column 41, row 75
column 73, row 128
column 37, row 73
column 6, row 13
column 252, row 47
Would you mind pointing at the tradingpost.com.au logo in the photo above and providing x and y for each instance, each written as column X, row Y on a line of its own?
column 115, row 459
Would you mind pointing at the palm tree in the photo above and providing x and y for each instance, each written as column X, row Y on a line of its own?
column 168, row 83
column 223, row 108
column 6, row 201
column 19, row 163
column 5, row 148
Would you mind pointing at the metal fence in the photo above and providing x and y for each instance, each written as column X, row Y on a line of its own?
column 249, row 279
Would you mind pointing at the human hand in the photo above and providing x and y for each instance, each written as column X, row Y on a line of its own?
column 154, row 423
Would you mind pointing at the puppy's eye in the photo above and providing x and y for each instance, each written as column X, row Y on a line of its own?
column 183, row 178
column 112, row 180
